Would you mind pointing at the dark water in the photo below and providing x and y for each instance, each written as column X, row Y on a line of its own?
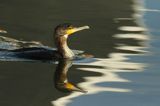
column 124, row 73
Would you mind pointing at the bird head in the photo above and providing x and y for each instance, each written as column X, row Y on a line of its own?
column 67, row 29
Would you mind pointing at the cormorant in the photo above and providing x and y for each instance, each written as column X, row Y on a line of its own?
column 37, row 51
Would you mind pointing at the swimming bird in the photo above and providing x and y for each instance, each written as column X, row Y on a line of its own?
column 37, row 51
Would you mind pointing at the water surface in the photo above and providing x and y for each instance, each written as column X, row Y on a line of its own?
column 123, row 72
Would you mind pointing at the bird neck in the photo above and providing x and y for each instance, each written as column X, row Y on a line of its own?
column 62, row 46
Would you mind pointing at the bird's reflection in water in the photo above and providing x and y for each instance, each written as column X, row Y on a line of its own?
column 61, row 81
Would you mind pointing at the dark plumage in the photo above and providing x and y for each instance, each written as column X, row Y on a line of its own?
column 36, row 51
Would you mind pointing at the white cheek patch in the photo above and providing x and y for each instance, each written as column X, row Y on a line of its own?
column 66, row 36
